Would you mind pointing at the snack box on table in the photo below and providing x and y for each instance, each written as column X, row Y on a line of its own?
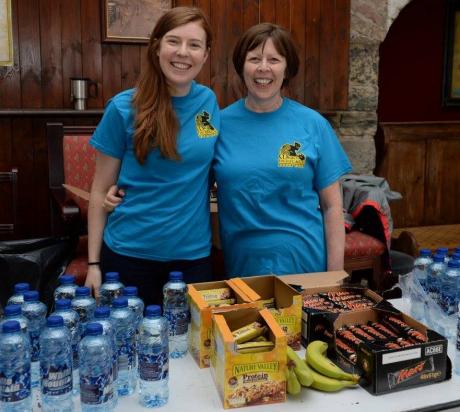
column 244, row 379
column 386, row 370
column 315, row 321
column 287, row 309
column 200, row 313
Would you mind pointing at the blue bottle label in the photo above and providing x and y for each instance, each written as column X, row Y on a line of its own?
column 75, row 357
column 35, row 346
column 56, row 380
column 15, row 387
column 178, row 322
column 126, row 355
column 96, row 390
column 153, row 367
column 115, row 367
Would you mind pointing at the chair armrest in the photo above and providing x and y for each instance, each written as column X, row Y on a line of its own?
column 68, row 209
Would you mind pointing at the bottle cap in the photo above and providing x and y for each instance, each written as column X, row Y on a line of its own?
column 456, row 256
column 425, row 252
column 454, row 263
column 11, row 326
column 13, row 310
column 438, row 258
column 67, row 279
column 130, row 291
column 120, row 302
column 31, row 296
column 153, row 310
column 82, row 291
column 102, row 312
column 176, row 275
column 442, row 250
column 21, row 287
column 55, row 321
column 93, row 329
column 63, row 304
column 112, row 276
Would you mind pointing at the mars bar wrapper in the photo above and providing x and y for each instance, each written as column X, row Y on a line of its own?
column 406, row 374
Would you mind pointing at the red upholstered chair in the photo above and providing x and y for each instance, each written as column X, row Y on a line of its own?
column 363, row 251
column 71, row 161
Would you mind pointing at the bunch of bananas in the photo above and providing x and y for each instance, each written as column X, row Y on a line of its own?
column 316, row 371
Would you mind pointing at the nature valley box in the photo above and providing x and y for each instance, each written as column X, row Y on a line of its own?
column 245, row 379
column 287, row 303
column 201, row 311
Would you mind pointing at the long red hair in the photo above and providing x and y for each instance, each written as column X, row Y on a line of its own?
column 155, row 123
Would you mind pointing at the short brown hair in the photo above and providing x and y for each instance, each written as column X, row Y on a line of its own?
column 155, row 123
column 259, row 34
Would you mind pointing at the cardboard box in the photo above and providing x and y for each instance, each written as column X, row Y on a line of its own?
column 201, row 312
column 288, row 302
column 249, row 378
column 385, row 370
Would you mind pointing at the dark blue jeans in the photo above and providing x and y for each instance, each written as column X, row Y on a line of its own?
column 150, row 275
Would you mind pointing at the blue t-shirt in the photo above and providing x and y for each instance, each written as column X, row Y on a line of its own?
column 269, row 169
column 165, row 212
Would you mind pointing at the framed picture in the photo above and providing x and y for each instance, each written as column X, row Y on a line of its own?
column 451, row 86
column 6, row 34
column 131, row 21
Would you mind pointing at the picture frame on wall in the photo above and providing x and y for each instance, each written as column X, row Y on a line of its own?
column 6, row 33
column 451, row 81
column 131, row 21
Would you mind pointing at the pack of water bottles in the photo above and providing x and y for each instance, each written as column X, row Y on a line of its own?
column 99, row 353
column 433, row 290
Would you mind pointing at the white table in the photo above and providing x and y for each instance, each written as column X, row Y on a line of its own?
column 192, row 390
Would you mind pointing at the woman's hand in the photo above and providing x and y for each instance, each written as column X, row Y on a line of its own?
column 93, row 280
column 113, row 198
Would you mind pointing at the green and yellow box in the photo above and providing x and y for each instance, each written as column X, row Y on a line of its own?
column 245, row 379
column 286, row 306
column 201, row 311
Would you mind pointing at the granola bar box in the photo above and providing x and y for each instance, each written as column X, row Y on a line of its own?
column 245, row 379
column 283, row 301
column 201, row 311
column 385, row 367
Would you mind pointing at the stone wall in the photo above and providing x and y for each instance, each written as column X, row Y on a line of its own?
column 370, row 21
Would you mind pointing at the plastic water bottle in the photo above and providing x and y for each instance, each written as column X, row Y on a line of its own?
column 421, row 265
column 66, row 289
column 418, row 288
column 15, row 386
column 102, row 316
column 18, row 297
column 112, row 288
column 85, row 305
column 14, row 312
column 443, row 251
column 176, row 311
column 135, row 303
column 153, row 349
column 125, row 336
column 435, row 271
column 96, row 386
column 72, row 322
column 35, row 312
column 450, row 281
column 457, row 351
column 56, row 366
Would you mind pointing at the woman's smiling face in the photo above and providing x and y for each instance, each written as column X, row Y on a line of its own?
column 264, row 73
column 182, row 54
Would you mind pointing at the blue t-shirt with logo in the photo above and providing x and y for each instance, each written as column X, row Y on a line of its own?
column 269, row 169
column 164, row 214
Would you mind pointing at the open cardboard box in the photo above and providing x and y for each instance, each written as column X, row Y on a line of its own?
column 245, row 379
column 389, row 370
column 288, row 302
column 200, row 311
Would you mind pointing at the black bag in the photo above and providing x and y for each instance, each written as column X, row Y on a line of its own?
column 38, row 262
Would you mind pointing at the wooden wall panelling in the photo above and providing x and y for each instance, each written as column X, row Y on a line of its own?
column 312, row 52
column 29, row 51
column 111, row 70
column 130, row 65
column 50, row 44
column 341, row 55
column 236, row 29
column 283, row 13
column 327, row 61
column 91, row 48
column 6, row 209
column 298, row 29
column 10, row 78
column 205, row 74
column 71, row 46
column 267, row 10
column 250, row 13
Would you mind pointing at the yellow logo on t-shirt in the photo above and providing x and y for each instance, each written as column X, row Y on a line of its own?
column 203, row 125
column 289, row 156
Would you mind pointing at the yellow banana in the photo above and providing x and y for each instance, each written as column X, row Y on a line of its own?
column 326, row 384
column 292, row 383
column 317, row 359
column 300, row 368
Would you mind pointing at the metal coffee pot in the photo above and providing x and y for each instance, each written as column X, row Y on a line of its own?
column 80, row 90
